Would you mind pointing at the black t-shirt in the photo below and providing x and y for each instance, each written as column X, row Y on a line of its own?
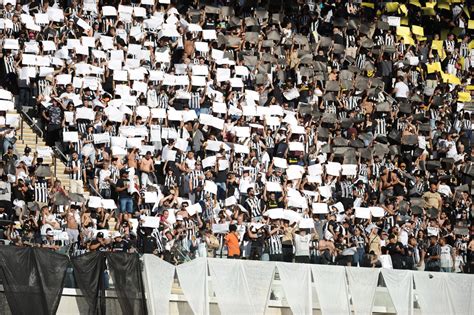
column 120, row 247
column 221, row 176
column 149, row 244
column 395, row 254
column 101, row 248
column 123, row 183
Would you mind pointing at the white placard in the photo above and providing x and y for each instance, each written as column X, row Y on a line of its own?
column 306, row 223
column 209, row 162
column 170, row 155
column 200, row 70
column 296, row 146
column 291, row 216
column 294, row 172
column 63, row 79
column 349, row 169
column 80, row 22
column 120, row 75
column 280, row 163
column 241, row 71
column 393, row 20
column 70, row 136
column 230, row 201
column 118, row 142
column 273, row 187
column 85, row 113
column 44, row 151
column 223, row 165
column 181, row 144
column 109, row 204
column 319, row 207
column 210, row 186
column 95, row 202
column 151, row 197
column 201, row 46
column 362, row 213
column 377, row 212
column 315, row 169
column 150, row 222
column 325, row 191
column 10, row 43
column 222, row 74
column 101, row 138
column 209, row 34
column 219, row 228
column 333, row 168
column 242, row 132
column 12, row 120
column 193, row 209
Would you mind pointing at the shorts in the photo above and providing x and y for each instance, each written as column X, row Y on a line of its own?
column 126, row 205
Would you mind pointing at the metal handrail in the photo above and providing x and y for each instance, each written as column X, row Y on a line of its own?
column 34, row 124
column 58, row 152
column 94, row 190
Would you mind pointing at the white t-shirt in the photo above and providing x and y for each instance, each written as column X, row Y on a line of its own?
column 446, row 258
column 302, row 245
column 402, row 89
column 452, row 151
column 386, row 261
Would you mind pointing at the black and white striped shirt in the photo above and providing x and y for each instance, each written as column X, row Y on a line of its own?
column 170, row 181
column 274, row 244
column 9, row 64
column 195, row 100
column 346, row 189
column 449, row 45
column 464, row 49
column 381, row 126
column 254, row 206
column 160, row 240
column 41, row 192
column 76, row 175
column 376, row 169
column 360, row 61
column 196, row 178
column 389, row 40
column 163, row 101
column 350, row 41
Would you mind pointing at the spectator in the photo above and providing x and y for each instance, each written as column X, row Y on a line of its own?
column 179, row 123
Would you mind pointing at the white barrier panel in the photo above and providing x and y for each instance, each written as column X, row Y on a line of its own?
column 461, row 293
column 230, row 286
column 245, row 286
column 193, row 280
column 259, row 275
column 400, row 287
column 158, row 277
column 432, row 292
column 296, row 282
column 362, row 285
column 331, row 287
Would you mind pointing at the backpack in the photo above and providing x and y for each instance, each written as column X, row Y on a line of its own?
column 213, row 242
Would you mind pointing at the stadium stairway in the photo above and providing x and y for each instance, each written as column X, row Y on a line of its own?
column 29, row 138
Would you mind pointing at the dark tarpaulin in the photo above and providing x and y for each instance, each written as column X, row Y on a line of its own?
column 29, row 289
column 51, row 268
column 125, row 270
column 89, row 270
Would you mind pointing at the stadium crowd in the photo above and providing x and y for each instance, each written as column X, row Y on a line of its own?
column 330, row 132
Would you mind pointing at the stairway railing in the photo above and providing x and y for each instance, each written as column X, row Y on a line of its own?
column 33, row 124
